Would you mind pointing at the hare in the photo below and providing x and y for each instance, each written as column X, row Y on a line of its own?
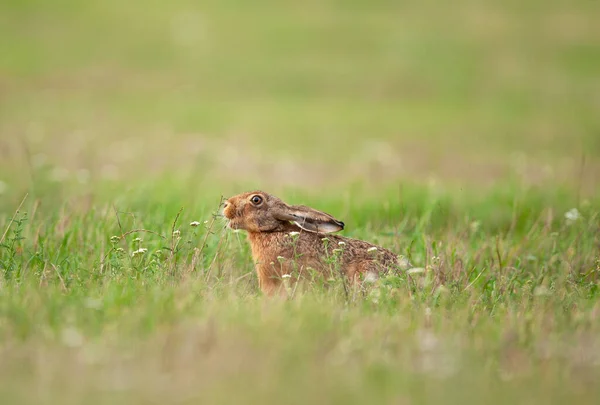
column 288, row 240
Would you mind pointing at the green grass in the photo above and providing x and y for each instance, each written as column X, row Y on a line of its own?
column 505, row 311
column 456, row 134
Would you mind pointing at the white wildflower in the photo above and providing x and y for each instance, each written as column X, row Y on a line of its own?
column 286, row 276
column 294, row 233
column 337, row 250
column 139, row 252
column 138, row 240
column 572, row 215
column 372, row 249
column 194, row 223
column 324, row 239
column 342, row 243
column 115, row 239
column 176, row 233
column 280, row 258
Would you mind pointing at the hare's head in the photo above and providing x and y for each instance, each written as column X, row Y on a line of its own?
column 258, row 211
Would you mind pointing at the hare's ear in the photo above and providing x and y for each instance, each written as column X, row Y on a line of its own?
column 310, row 219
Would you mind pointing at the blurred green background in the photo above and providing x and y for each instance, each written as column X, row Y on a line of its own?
column 313, row 95
column 463, row 134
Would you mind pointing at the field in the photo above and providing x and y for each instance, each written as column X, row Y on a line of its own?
column 464, row 135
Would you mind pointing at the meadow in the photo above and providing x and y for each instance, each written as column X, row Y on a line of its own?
column 464, row 136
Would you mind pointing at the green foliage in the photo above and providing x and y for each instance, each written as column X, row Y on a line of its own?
column 496, row 302
column 462, row 135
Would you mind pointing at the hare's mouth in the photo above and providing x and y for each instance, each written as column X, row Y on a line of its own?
column 233, row 220
column 232, row 224
column 229, row 218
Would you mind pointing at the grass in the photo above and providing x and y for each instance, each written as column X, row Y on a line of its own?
column 506, row 309
column 459, row 135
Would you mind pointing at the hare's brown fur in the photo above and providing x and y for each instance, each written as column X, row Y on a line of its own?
column 269, row 222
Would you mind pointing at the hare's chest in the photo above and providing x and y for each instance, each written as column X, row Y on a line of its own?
column 266, row 247
column 282, row 248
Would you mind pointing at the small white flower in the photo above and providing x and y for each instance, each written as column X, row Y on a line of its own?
column 194, row 223
column 138, row 240
column 337, row 250
column 342, row 243
column 176, row 233
column 324, row 239
column 280, row 258
column 372, row 249
column 206, row 222
column 286, row 276
column 572, row 215
column 294, row 233
column 139, row 252
column 115, row 239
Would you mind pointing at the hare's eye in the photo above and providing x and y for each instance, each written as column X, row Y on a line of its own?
column 256, row 200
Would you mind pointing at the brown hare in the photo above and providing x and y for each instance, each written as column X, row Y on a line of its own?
column 288, row 240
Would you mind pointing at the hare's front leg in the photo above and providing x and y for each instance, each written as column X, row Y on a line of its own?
column 269, row 282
